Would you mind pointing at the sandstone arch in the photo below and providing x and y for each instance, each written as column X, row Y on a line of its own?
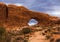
column 19, row 15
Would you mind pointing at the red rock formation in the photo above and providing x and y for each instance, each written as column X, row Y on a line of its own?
column 19, row 16
column 3, row 13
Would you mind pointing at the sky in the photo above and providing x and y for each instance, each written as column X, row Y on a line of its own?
column 32, row 22
column 52, row 7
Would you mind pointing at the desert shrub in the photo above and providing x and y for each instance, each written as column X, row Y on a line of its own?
column 25, row 40
column 26, row 30
column 2, row 34
column 2, row 31
column 58, row 40
column 19, row 38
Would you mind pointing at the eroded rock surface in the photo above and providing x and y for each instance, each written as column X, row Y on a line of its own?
column 12, row 15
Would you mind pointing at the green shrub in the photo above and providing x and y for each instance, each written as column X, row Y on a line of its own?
column 2, row 31
column 26, row 30
column 2, row 34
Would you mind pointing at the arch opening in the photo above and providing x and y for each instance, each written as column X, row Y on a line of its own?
column 32, row 22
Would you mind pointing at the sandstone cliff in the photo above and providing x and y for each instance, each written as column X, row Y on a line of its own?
column 12, row 15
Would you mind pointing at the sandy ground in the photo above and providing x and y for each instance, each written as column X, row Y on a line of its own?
column 37, row 37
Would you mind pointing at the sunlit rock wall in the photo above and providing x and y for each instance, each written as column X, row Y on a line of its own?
column 13, row 15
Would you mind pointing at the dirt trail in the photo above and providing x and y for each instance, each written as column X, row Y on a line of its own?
column 38, row 37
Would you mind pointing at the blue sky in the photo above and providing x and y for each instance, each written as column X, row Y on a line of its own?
column 52, row 7
column 32, row 22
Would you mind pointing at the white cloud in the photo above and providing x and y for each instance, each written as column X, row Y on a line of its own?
column 55, row 11
column 18, row 4
column 7, row 3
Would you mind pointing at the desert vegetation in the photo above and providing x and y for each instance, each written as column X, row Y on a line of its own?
column 24, row 34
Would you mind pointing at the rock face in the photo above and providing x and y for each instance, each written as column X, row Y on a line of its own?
column 3, row 14
column 12, row 15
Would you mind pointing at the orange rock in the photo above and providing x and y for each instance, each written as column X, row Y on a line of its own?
column 3, row 14
column 19, row 16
